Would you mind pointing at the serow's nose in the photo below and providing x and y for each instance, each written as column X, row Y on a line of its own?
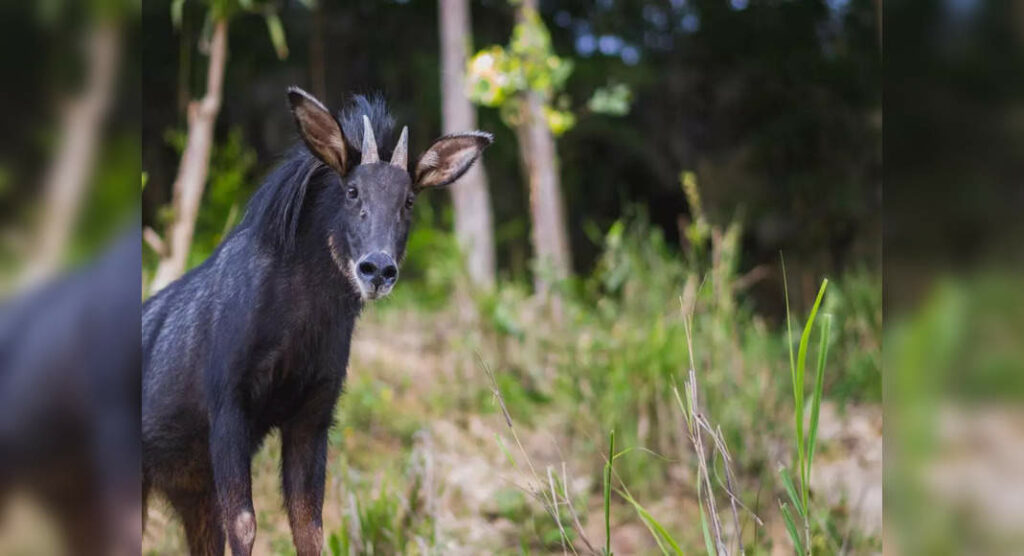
column 378, row 269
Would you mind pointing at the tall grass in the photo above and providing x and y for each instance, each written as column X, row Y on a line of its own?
column 553, row 492
column 707, row 442
column 383, row 517
column 624, row 359
column 805, row 433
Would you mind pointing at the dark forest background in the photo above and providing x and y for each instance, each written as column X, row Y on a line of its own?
column 775, row 105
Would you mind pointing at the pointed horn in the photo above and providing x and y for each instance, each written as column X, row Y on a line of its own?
column 400, row 157
column 369, row 143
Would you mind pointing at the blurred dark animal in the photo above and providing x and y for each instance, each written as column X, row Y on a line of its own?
column 70, row 362
column 257, row 337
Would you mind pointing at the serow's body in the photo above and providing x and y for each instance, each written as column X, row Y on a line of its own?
column 257, row 337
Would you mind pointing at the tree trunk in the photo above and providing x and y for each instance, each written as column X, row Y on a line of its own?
column 549, row 233
column 552, row 259
column 81, row 125
column 191, row 178
column 470, row 195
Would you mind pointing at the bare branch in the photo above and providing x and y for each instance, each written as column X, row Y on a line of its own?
column 155, row 242
column 194, row 167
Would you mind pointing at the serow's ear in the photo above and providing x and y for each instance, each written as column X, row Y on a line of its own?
column 318, row 128
column 449, row 157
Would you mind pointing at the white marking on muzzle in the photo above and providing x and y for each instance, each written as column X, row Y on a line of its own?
column 349, row 270
column 359, row 283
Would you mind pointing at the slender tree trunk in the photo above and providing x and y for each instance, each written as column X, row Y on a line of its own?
column 81, row 126
column 470, row 195
column 191, row 178
column 549, row 233
column 537, row 147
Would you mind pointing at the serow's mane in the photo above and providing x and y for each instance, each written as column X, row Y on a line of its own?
column 274, row 210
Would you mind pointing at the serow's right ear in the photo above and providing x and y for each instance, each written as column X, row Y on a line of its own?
column 449, row 157
column 319, row 130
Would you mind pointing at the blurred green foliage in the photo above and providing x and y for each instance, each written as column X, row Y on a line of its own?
column 623, row 348
column 228, row 9
column 370, row 409
column 953, row 388
column 496, row 75
column 383, row 518
column 775, row 106
column 613, row 100
column 855, row 301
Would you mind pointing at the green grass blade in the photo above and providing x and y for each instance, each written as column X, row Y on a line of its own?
column 656, row 536
column 801, row 365
column 504, row 450
column 798, row 384
column 789, row 326
column 709, row 545
column 791, row 528
column 787, row 483
column 658, row 531
column 608, row 493
column 801, row 357
column 662, row 532
column 682, row 407
column 819, row 385
column 646, row 451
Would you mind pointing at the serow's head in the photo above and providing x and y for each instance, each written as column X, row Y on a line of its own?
column 370, row 200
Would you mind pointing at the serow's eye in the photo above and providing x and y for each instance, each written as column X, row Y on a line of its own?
column 409, row 201
column 352, row 193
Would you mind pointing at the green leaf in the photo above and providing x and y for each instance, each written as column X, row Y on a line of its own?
column 608, row 493
column 224, row 9
column 559, row 121
column 658, row 531
column 791, row 528
column 787, row 483
column 335, row 544
column 661, row 534
column 177, row 7
column 801, row 365
column 504, row 450
column 801, row 358
column 276, row 30
column 798, row 387
column 819, row 383
column 613, row 100
column 709, row 545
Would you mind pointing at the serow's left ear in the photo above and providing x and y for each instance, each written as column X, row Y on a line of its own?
column 449, row 157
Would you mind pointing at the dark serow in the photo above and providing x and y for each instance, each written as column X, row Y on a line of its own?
column 257, row 337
